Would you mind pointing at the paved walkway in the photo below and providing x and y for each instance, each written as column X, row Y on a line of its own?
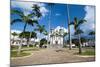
column 49, row 56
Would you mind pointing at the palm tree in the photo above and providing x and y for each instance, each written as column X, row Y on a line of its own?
column 41, row 29
column 36, row 11
column 70, row 41
column 14, row 34
column 24, row 18
column 37, row 14
column 27, row 19
column 92, row 34
column 78, row 31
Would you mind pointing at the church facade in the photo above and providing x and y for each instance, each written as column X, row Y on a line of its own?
column 57, row 37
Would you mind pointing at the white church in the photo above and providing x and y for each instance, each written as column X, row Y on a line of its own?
column 56, row 37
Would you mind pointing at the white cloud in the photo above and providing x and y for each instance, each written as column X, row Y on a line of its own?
column 59, row 27
column 27, row 6
column 43, row 10
column 90, row 17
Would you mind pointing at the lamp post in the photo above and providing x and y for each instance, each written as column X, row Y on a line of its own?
column 70, row 42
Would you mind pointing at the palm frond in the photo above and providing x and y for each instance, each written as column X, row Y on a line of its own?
column 16, row 20
column 31, row 15
column 92, row 33
column 38, row 14
column 32, row 22
column 36, row 10
column 78, row 32
column 81, row 22
column 29, row 21
column 20, row 13
column 71, row 23
column 35, row 21
column 35, row 7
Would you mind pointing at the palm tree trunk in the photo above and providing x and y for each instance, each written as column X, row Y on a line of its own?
column 47, row 40
column 34, row 42
column 29, row 39
column 20, row 46
column 70, row 42
column 25, row 27
column 60, row 41
column 80, row 45
column 39, row 40
column 13, row 40
column 24, row 30
column 28, row 43
column 63, row 41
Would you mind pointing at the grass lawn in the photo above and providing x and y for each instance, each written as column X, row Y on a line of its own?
column 23, row 53
column 14, row 47
column 88, row 52
column 23, row 47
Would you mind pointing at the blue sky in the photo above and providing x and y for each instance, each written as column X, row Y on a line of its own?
column 58, row 16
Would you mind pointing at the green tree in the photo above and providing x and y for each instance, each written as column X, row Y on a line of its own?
column 78, row 31
column 26, row 35
column 43, row 41
column 41, row 29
